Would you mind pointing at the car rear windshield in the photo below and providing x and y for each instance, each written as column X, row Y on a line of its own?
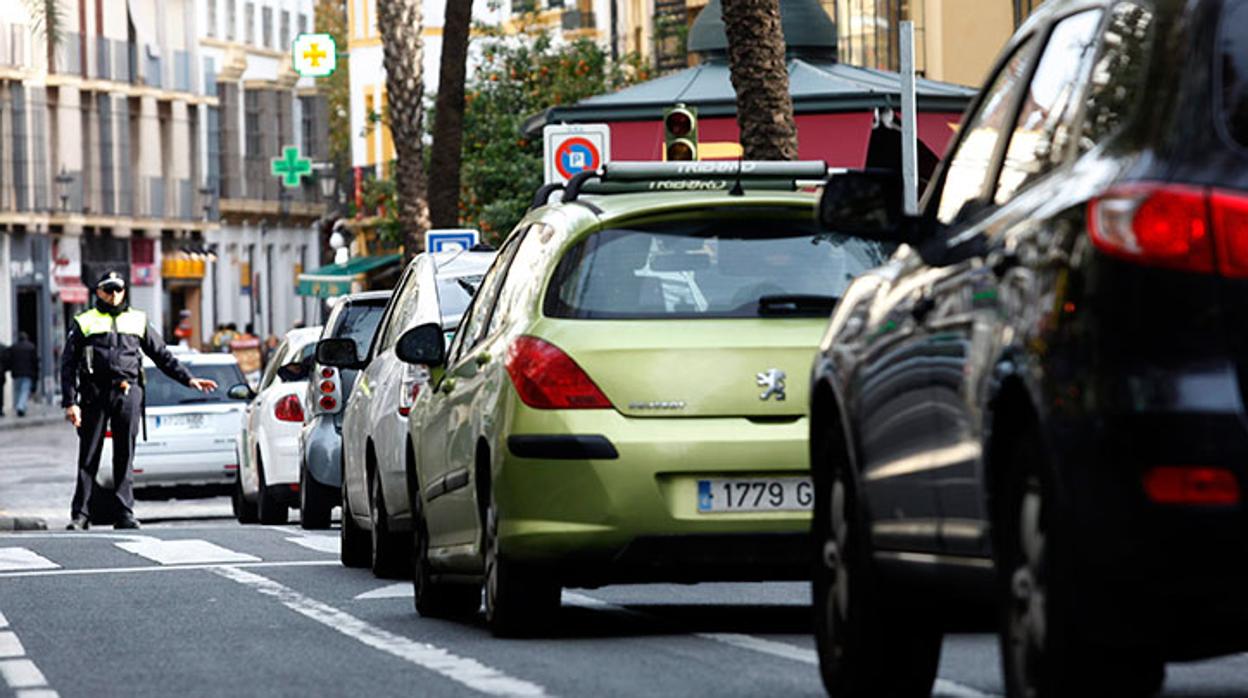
column 455, row 292
column 163, row 391
column 1234, row 69
column 359, row 322
column 715, row 269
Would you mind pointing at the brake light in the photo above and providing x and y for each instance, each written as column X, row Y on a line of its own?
column 325, row 395
column 547, row 378
column 108, row 433
column 414, row 378
column 327, row 373
column 328, row 387
column 328, row 402
column 288, row 409
column 1158, row 225
column 1199, row 485
column 1230, row 225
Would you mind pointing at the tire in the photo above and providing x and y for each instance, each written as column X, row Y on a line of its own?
column 1044, row 648
column 519, row 600
column 391, row 551
column 869, row 644
column 316, row 502
column 271, row 512
column 354, row 548
column 244, row 510
column 436, row 599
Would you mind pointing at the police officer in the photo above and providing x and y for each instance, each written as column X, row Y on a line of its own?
column 101, row 385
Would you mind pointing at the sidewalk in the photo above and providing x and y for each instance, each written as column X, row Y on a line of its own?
column 37, row 414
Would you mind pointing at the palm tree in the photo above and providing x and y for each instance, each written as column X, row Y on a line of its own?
column 448, row 121
column 400, row 23
column 761, row 78
column 45, row 19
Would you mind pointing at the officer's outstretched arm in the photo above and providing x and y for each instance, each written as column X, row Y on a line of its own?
column 154, row 346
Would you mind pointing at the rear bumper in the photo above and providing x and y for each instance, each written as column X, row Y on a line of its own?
column 163, row 468
column 322, row 451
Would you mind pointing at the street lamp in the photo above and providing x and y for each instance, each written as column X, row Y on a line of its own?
column 329, row 182
column 63, row 180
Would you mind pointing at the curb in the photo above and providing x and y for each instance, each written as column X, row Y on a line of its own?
column 19, row 523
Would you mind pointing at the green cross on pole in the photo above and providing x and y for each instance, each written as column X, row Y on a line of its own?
column 290, row 167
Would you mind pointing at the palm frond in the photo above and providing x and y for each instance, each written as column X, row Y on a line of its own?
column 46, row 19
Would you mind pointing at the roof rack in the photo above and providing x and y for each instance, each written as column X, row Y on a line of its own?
column 722, row 175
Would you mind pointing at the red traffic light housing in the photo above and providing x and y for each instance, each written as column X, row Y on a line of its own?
column 680, row 133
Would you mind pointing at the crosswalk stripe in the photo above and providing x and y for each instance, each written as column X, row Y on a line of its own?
column 10, row 646
column 22, row 559
column 4, row 622
column 185, row 552
column 21, row 673
column 401, row 590
column 321, row 544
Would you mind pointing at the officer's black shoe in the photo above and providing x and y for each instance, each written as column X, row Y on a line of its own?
column 80, row 523
column 126, row 521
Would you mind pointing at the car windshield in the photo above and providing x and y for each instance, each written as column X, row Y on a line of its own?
column 163, row 391
column 359, row 322
column 455, row 292
column 708, row 269
column 1235, row 70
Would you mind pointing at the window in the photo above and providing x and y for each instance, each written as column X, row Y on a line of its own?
column 285, row 31
column 266, row 26
column 251, row 123
column 403, row 307
column 249, row 23
column 162, row 391
column 231, row 19
column 1042, row 130
column 212, row 18
column 1118, row 73
column 359, row 322
column 303, row 23
column 1234, row 70
column 969, row 165
column 473, row 327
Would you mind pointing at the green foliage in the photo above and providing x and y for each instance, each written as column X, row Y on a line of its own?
column 379, row 197
column 518, row 77
column 331, row 18
column 46, row 18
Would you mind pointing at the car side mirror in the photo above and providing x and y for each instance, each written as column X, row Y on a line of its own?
column 425, row 344
column 338, row 352
column 241, row 391
column 867, row 205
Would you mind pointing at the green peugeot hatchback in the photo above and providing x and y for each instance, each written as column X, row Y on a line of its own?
column 625, row 400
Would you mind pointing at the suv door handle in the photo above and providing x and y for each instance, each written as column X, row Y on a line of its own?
column 483, row 358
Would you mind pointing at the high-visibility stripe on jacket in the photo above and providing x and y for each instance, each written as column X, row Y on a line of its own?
column 93, row 322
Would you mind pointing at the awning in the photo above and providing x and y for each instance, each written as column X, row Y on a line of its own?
column 341, row 279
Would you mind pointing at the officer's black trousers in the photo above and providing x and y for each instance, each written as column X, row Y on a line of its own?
column 122, row 413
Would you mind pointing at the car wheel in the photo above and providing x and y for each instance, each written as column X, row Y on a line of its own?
column 315, row 502
column 1044, row 650
column 869, row 644
column 354, row 548
column 270, row 510
column 518, row 599
column 436, row 599
column 244, row 510
column 391, row 551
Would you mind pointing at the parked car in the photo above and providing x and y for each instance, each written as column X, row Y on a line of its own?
column 1039, row 401
column 320, row 441
column 268, row 479
column 377, row 525
column 615, row 405
column 190, row 436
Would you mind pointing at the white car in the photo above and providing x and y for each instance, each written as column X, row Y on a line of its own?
column 191, row 435
column 268, row 477
column 376, row 521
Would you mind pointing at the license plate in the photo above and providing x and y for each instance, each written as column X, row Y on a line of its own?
column 182, row 421
column 755, row 494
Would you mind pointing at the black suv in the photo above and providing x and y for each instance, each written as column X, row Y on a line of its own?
column 1036, row 408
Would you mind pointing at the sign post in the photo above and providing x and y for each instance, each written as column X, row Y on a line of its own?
column 573, row 148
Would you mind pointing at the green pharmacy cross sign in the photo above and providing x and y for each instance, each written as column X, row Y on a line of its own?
column 290, row 167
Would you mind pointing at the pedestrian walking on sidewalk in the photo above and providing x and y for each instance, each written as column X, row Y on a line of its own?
column 102, row 389
column 24, row 368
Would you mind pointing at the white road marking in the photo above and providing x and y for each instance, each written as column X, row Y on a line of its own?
column 10, row 646
column 390, row 591
column 464, row 670
column 175, row 568
column 4, row 622
column 37, row 693
column 185, row 552
column 321, row 544
column 944, row 688
column 21, row 673
column 12, row 559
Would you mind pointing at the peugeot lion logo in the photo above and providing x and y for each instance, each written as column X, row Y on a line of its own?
column 773, row 381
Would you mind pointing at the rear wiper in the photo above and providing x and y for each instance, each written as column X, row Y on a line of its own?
column 796, row 304
column 466, row 285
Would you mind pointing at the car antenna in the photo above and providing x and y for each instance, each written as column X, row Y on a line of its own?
column 737, row 189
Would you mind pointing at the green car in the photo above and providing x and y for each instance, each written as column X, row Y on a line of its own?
column 625, row 400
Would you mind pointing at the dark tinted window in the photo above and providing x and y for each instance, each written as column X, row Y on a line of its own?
column 163, row 390
column 1118, row 73
column 1234, row 53
column 707, row 269
column 359, row 322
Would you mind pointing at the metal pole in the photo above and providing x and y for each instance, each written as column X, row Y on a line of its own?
column 909, row 135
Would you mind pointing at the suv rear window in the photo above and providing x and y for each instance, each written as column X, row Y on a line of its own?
column 1234, row 69
column 708, row 269
column 359, row 322
column 163, row 391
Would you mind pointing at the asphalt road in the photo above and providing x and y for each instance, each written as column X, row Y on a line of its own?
column 212, row 608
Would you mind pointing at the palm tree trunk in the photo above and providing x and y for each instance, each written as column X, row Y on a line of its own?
column 448, row 122
column 761, row 78
column 400, row 23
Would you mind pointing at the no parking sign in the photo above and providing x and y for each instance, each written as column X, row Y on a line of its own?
column 570, row 149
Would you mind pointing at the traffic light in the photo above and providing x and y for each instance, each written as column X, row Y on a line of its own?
column 680, row 133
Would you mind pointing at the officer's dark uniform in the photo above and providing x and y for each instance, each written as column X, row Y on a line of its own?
column 100, row 365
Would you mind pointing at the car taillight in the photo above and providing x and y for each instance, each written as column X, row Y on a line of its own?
column 1159, row 225
column 547, row 378
column 325, row 395
column 328, row 402
column 1230, row 225
column 414, row 378
column 1198, row 485
column 328, row 386
column 327, row 373
column 108, row 433
column 289, row 409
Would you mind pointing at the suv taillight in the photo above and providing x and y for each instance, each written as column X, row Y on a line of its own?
column 289, row 409
column 1173, row 226
column 547, row 378
column 325, row 393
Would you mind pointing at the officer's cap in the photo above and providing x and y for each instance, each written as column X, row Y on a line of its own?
column 111, row 281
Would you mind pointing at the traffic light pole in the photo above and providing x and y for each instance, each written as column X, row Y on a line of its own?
column 909, row 123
